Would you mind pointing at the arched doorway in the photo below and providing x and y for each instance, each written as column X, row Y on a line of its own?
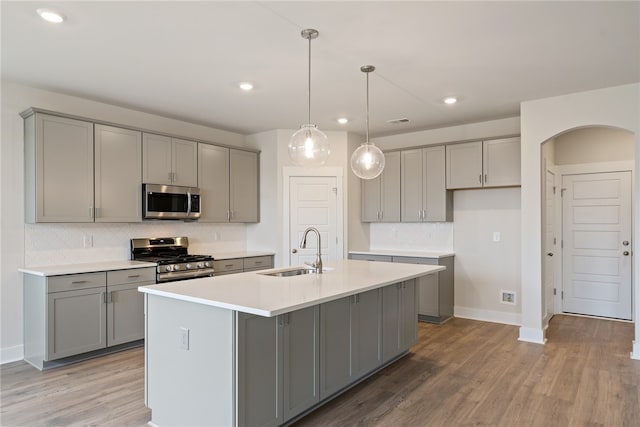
column 586, row 233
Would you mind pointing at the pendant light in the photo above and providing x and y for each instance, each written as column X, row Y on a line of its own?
column 367, row 162
column 309, row 146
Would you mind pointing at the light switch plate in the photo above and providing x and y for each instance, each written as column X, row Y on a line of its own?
column 184, row 338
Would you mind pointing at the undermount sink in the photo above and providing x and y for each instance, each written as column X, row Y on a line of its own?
column 290, row 272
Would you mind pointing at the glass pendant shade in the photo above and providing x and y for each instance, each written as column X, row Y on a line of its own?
column 309, row 146
column 367, row 162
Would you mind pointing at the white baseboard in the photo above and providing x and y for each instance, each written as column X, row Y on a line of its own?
column 11, row 354
column 487, row 315
column 635, row 354
column 533, row 335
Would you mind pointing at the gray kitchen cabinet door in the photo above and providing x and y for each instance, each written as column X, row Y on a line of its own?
column 125, row 313
column 390, row 321
column 429, row 298
column 244, row 175
column 411, row 184
column 213, row 179
column 118, row 174
column 371, row 196
column 259, row 369
column 390, row 189
column 301, row 354
column 335, row 344
column 408, row 315
column 501, row 162
column 366, row 333
column 437, row 201
column 58, row 169
column 381, row 195
column 184, row 162
column 76, row 322
column 156, row 159
column 464, row 165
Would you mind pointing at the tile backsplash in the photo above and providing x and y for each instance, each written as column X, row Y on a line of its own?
column 436, row 236
column 51, row 244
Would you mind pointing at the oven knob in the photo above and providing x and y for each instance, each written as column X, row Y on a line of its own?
column 176, row 267
column 200, row 265
column 207, row 264
column 168, row 268
column 189, row 266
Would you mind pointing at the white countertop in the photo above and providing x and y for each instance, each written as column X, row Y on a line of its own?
column 417, row 254
column 270, row 296
column 231, row 255
column 59, row 270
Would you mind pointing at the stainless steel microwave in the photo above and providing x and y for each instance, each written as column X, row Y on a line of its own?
column 170, row 202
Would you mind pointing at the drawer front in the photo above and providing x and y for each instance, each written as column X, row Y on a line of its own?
column 72, row 282
column 135, row 275
column 414, row 260
column 223, row 265
column 258, row 262
column 363, row 257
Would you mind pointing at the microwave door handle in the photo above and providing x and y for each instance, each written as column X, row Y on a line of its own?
column 188, row 203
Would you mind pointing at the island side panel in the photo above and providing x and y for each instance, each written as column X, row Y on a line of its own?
column 190, row 363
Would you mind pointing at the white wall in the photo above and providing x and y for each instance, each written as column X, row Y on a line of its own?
column 594, row 144
column 43, row 244
column 542, row 120
column 482, row 267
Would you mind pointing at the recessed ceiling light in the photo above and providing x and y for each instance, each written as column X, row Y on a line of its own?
column 450, row 100
column 343, row 120
column 246, row 86
column 51, row 15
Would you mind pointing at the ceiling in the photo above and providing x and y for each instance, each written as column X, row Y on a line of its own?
column 184, row 59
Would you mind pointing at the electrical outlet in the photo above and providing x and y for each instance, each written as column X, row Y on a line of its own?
column 184, row 338
column 508, row 297
column 87, row 241
column 496, row 236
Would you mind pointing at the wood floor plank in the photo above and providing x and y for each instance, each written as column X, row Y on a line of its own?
column 461, row 373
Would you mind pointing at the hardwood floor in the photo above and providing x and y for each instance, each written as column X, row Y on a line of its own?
column 462, row 373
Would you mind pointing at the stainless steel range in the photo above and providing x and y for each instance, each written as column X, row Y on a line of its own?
column 173, row 259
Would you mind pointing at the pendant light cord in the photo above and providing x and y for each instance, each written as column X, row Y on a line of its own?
column 309, row 92
column 367, row 141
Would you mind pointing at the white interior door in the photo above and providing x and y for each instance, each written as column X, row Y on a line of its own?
column 313, row 203
column 596, row 216
column 549, row 244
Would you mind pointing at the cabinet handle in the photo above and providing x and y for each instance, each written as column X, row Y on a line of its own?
column 228, row 265
column 230, row 214
column 357, row 298
column 78, row 282
column 109, row 297
column 381, row 214
column 133, row 276
column 104, row 297
column 424, row 214
column 485, row 178
column 90, row 211
column 257, row 262
column 420, row 214
column 480, row 178
column 97, row 213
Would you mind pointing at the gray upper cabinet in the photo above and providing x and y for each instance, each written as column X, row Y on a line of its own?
column 244, row 175
column 491, row 163
column 423, row 186
column 169, row 161
column 381, row 196
column 229, row 184
column 213, row 177
column 118, row 174
column 58, row 169
column 501, row 162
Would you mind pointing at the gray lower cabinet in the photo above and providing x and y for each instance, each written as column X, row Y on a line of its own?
column 239, row 265
column 72, row 314
column 399, row 319
column 350, row 338
column 435, row 291
column 278, row 366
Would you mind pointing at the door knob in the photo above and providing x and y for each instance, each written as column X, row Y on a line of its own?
column 625, row 253
column 549, row 253
column 625, row 243
column 294, row 251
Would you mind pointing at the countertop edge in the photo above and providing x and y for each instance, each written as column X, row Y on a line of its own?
column 411, row 254
column 93, row 267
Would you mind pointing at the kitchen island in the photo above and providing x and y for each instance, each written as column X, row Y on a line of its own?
column 254, row 349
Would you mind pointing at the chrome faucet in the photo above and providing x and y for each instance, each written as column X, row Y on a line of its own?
column 303, row 245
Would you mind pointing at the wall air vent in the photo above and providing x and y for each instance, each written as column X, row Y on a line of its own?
column 398, row 121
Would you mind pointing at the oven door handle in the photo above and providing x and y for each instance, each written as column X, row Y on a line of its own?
column 188, row 203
